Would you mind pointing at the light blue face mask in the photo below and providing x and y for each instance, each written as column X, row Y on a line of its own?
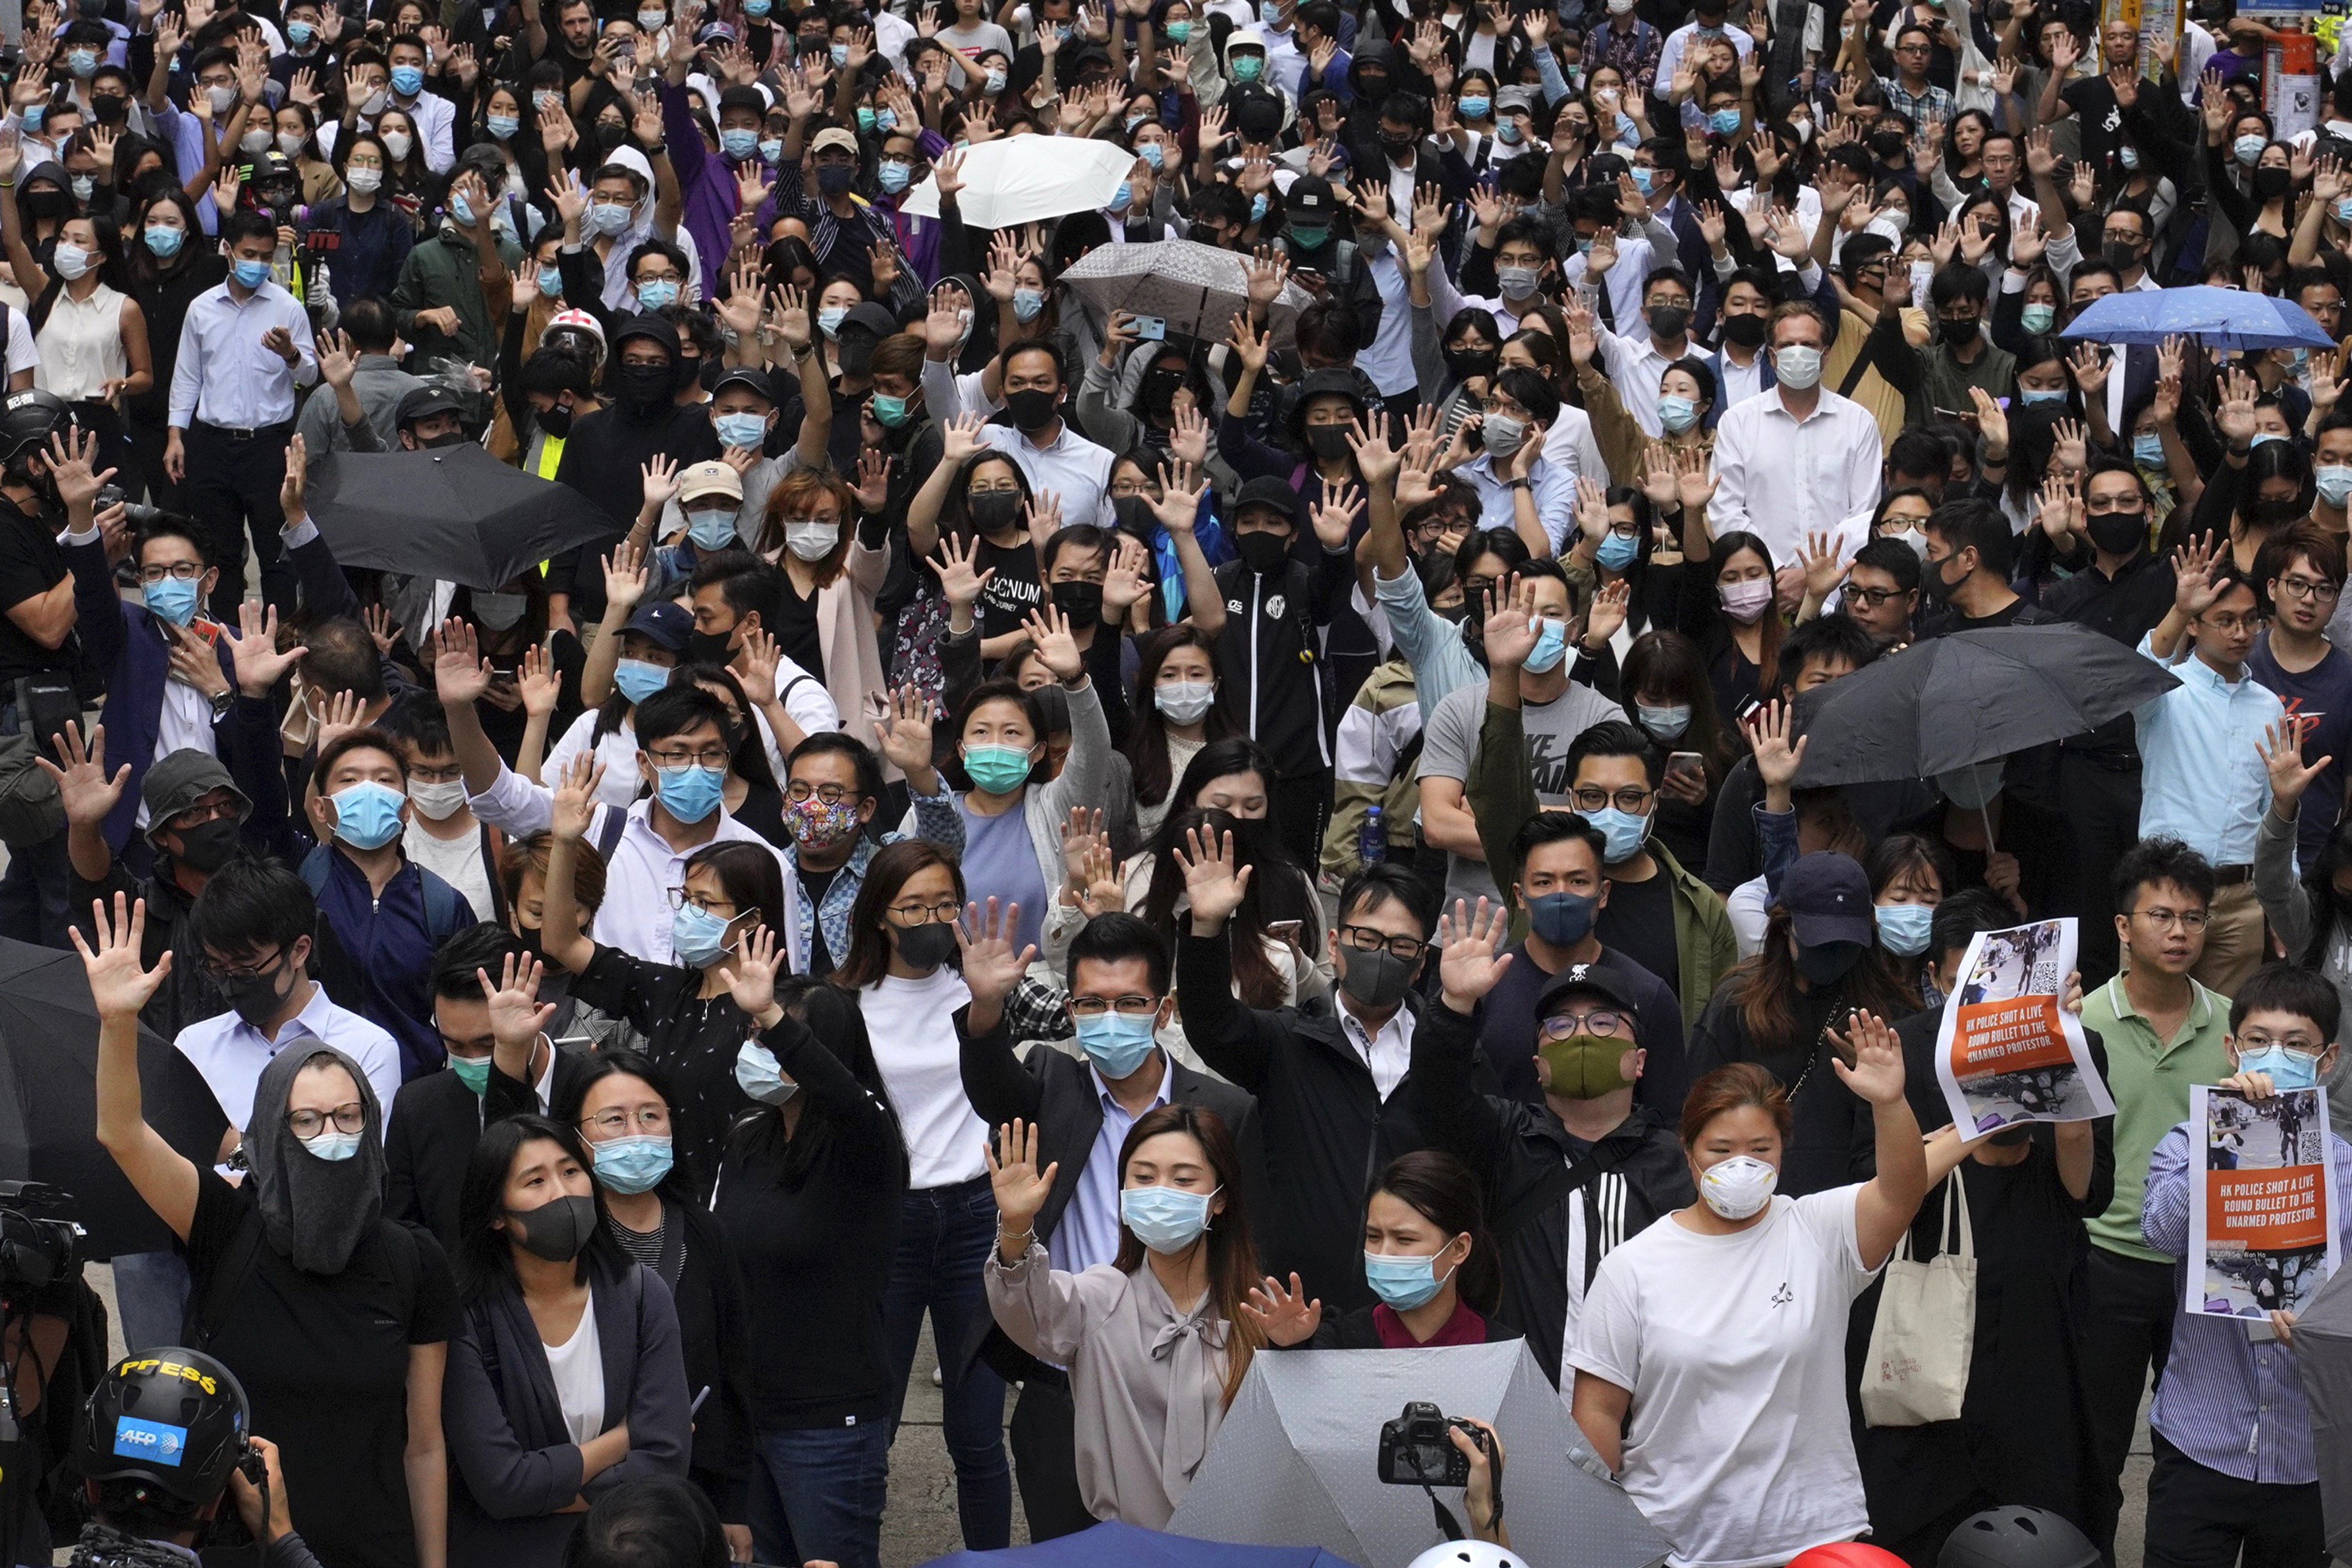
column 744, row 430
column 1641, row 178
column 2147, row 449
column 757, row 1075
column 1677, row 414
column 1165, row 1219
column 1257, row 207
column 82, row 63
column 632, row 1164
column 658, row 293
column 2263, row 435
column 829, row 319
column 697, row 937
column 2288, row 1070
column 1551, row 646
column 1902, row 928
column 2037, row 318
column 171, row 600
column 299, row 34
column 1666, row 723
column 756, row 9
column 1027, row 304
column 1724, row 121
column 2033, row 395
column 1971, row 788
column 502, row 126
column 772, row 150
column 165, row 242
column 474, row 1073
column 1123, row 197
column 690, row 793
column 1150, row 151
column 1509, row 133
column 637, row 679
column 886, row 120
column 840, row 55
column 332, row 1145
column 739, row 143
column 1403, row 1280
column 550, row 282
column 1475, row 108
column 2335, row 483
column 1622, row 829
column 892, row 175
column 1617, row 552
column 407, row 79
column 461, row 209
column 2248, row 149
column 1115, row 1043
column 251, row 274
column 367, row 816
column 712, row 527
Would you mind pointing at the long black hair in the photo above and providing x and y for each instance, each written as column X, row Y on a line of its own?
column 485, row 1256
column 598, row 1066
column 1287, row 891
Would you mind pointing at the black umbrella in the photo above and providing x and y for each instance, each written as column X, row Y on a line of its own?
column 454, row 512
column 1969, row 698
column 48, row 1100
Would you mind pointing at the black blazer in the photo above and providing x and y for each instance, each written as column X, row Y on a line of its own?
column 430, row 1136
column 1057, row 1091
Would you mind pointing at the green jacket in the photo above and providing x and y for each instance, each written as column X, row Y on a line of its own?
column 444, row 270
column 1501, row 798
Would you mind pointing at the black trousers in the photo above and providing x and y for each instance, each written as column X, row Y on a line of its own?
column 2125, row 1338
column 2100, row 807
column 1043, row 1434
column 232, row 490
column 2200, row 1517
column 146, row 441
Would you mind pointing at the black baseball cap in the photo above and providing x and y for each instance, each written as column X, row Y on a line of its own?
column 423, row 401
column 664, row 622
column 746, row 375
column 1309, row 201
column 1272, row 493
column 1584, row 980
column 1828, row 895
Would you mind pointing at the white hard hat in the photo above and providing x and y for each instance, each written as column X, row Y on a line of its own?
column 1469, row 1554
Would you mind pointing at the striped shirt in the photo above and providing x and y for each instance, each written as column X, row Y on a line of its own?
column 2227, row 1402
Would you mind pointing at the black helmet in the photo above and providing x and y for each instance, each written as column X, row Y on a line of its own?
column 28, row 420
column 173, row 1418
column 2017, row 1537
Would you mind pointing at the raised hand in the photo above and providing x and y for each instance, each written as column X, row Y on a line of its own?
column 517, row 1016
column 1511, row 629
column 1021, row 1187
column 1181, row 489
column 903, row 734
column 1285, row 1317
column 83, row 788
column 2193, row 589
column 1777, row 758
column 625, row 574
column 538, row 682
column 1876, row 1074
column 1057, row 650
column 993, row 967
column 254, row 653
column 460, row 673
column 2282, row 752
column 1214, row 880
column 1472, row 960
column 119, row 984
column 952, row 564
column 575, row 797
column 751, row 977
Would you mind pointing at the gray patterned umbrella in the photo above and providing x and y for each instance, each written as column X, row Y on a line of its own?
column 1197, row 289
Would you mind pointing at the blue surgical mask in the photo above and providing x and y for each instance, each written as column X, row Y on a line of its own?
column 82, row 63
column 829, row 319
column 1677, row 414
column 251, row 274
column 2249, row 147
column 697, row 937
column 892, row 174
column 886, row 120
column 1641, row 178
column 1666, row 723
column 1027, row 304
column 1257, row 207
column 1165, row 1219
column 2263, row 435
column 2335, row 483
column 689, row 793
column 367, row 816
column 1902, row 928
column 1551, row 646
column 474, row 1073
column 171, row 600
column 1475, row 107
column 756, row 9
column 711, row 528
column 2033, row 397
column 772, row 150
column 658, row 293
column 1150, row 152
column 739, row 143
column 2147, row 449
column 1622, row 829
column 1123, row 197
column 550, row 282
column 757, row 1075
column 461, row 209
column 748, row 431
column 333, row 1146
column 840, row 55
column 1115, row 1043
column 1403, row 1280
column 1724, row 121
column 637, row 679
column 632, row 1164
column 164, row 241
column 2288, row 1070
column 299, row 34
column 502, row 125
column 406, row 80
column 30, row 116
column 865, row 117
column 1617, row 552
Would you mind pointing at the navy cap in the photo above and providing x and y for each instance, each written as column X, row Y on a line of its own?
column 665, row 622
column 1829, row 896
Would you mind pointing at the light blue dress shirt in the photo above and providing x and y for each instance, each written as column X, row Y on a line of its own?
column 1088, row 1233
column 2201, row 775
column 1555, row 495
column 224, row 376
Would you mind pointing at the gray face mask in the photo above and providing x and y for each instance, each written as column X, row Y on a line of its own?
column 1503, row 433
column 1377, row 978
column 498, row 612
column 1517, row 282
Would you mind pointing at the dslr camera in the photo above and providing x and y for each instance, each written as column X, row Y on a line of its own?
column 36, row 1252
column 1417, row 1450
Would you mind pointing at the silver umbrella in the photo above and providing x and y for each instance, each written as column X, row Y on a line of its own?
column 1197, row 289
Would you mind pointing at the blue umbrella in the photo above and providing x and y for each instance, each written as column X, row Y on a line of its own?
column 1132, row 1546
column 2222, row 318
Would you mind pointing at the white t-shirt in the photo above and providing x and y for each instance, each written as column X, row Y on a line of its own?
column 911, row 1023
column 578, row 1366
column 457, row 861
column 1734, row 1346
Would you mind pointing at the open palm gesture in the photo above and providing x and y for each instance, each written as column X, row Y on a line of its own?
column 119, row 984
column 1283, row 1314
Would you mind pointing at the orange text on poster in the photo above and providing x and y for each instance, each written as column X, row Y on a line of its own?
column 2270, row 1211
column 2011, row 1036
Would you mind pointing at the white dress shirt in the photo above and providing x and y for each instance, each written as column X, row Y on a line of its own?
column 232, row 1053
column 1636, row 366
column 1076, row 469
column 224, row 376
column 1387, row 1053
column 1737, row 382
column 639, row 874
column 1781, row 480
column 1570, row 448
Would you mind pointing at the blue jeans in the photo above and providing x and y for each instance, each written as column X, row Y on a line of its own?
column 823, row 1499
column 944, row 1236
column 151, row 1297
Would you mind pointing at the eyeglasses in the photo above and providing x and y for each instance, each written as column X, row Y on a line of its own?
column 2229, row 623
column 1872, row 599
column 1364, row 939
column 450, row 774
column 943, row 913
column 349, row 1118
column 679, row 898
column 198, row 815
column 1631, row 799
column 2308, row 588
column 1602, row 1021
column 229, row 974
column 831, row 793
column 178, row 571
column 1126, row 1006
column 616, row 1122
column 2190, row 920
column 707, row 757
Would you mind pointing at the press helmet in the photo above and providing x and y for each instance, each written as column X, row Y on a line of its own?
column 170, row 1418
column 1469, row 1554
column 2017, row 1537
column 27, row 419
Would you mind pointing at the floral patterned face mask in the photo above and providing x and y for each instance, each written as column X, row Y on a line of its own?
column 818, row 825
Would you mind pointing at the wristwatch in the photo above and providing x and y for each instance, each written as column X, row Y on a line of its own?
column 222, row 702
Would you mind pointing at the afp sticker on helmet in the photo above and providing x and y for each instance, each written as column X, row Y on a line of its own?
column 137, row 1439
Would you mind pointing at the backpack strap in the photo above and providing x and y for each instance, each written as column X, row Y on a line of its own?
column 608, row 833
column 444, row 908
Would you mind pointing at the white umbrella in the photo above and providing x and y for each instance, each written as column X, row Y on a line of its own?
column 1197, row 289
column 1022, row 179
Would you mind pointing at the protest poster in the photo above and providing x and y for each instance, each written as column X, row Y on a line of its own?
column 2005, row 1051
column 2259, row 1236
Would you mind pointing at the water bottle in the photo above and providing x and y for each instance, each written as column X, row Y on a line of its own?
column 1371, row 839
